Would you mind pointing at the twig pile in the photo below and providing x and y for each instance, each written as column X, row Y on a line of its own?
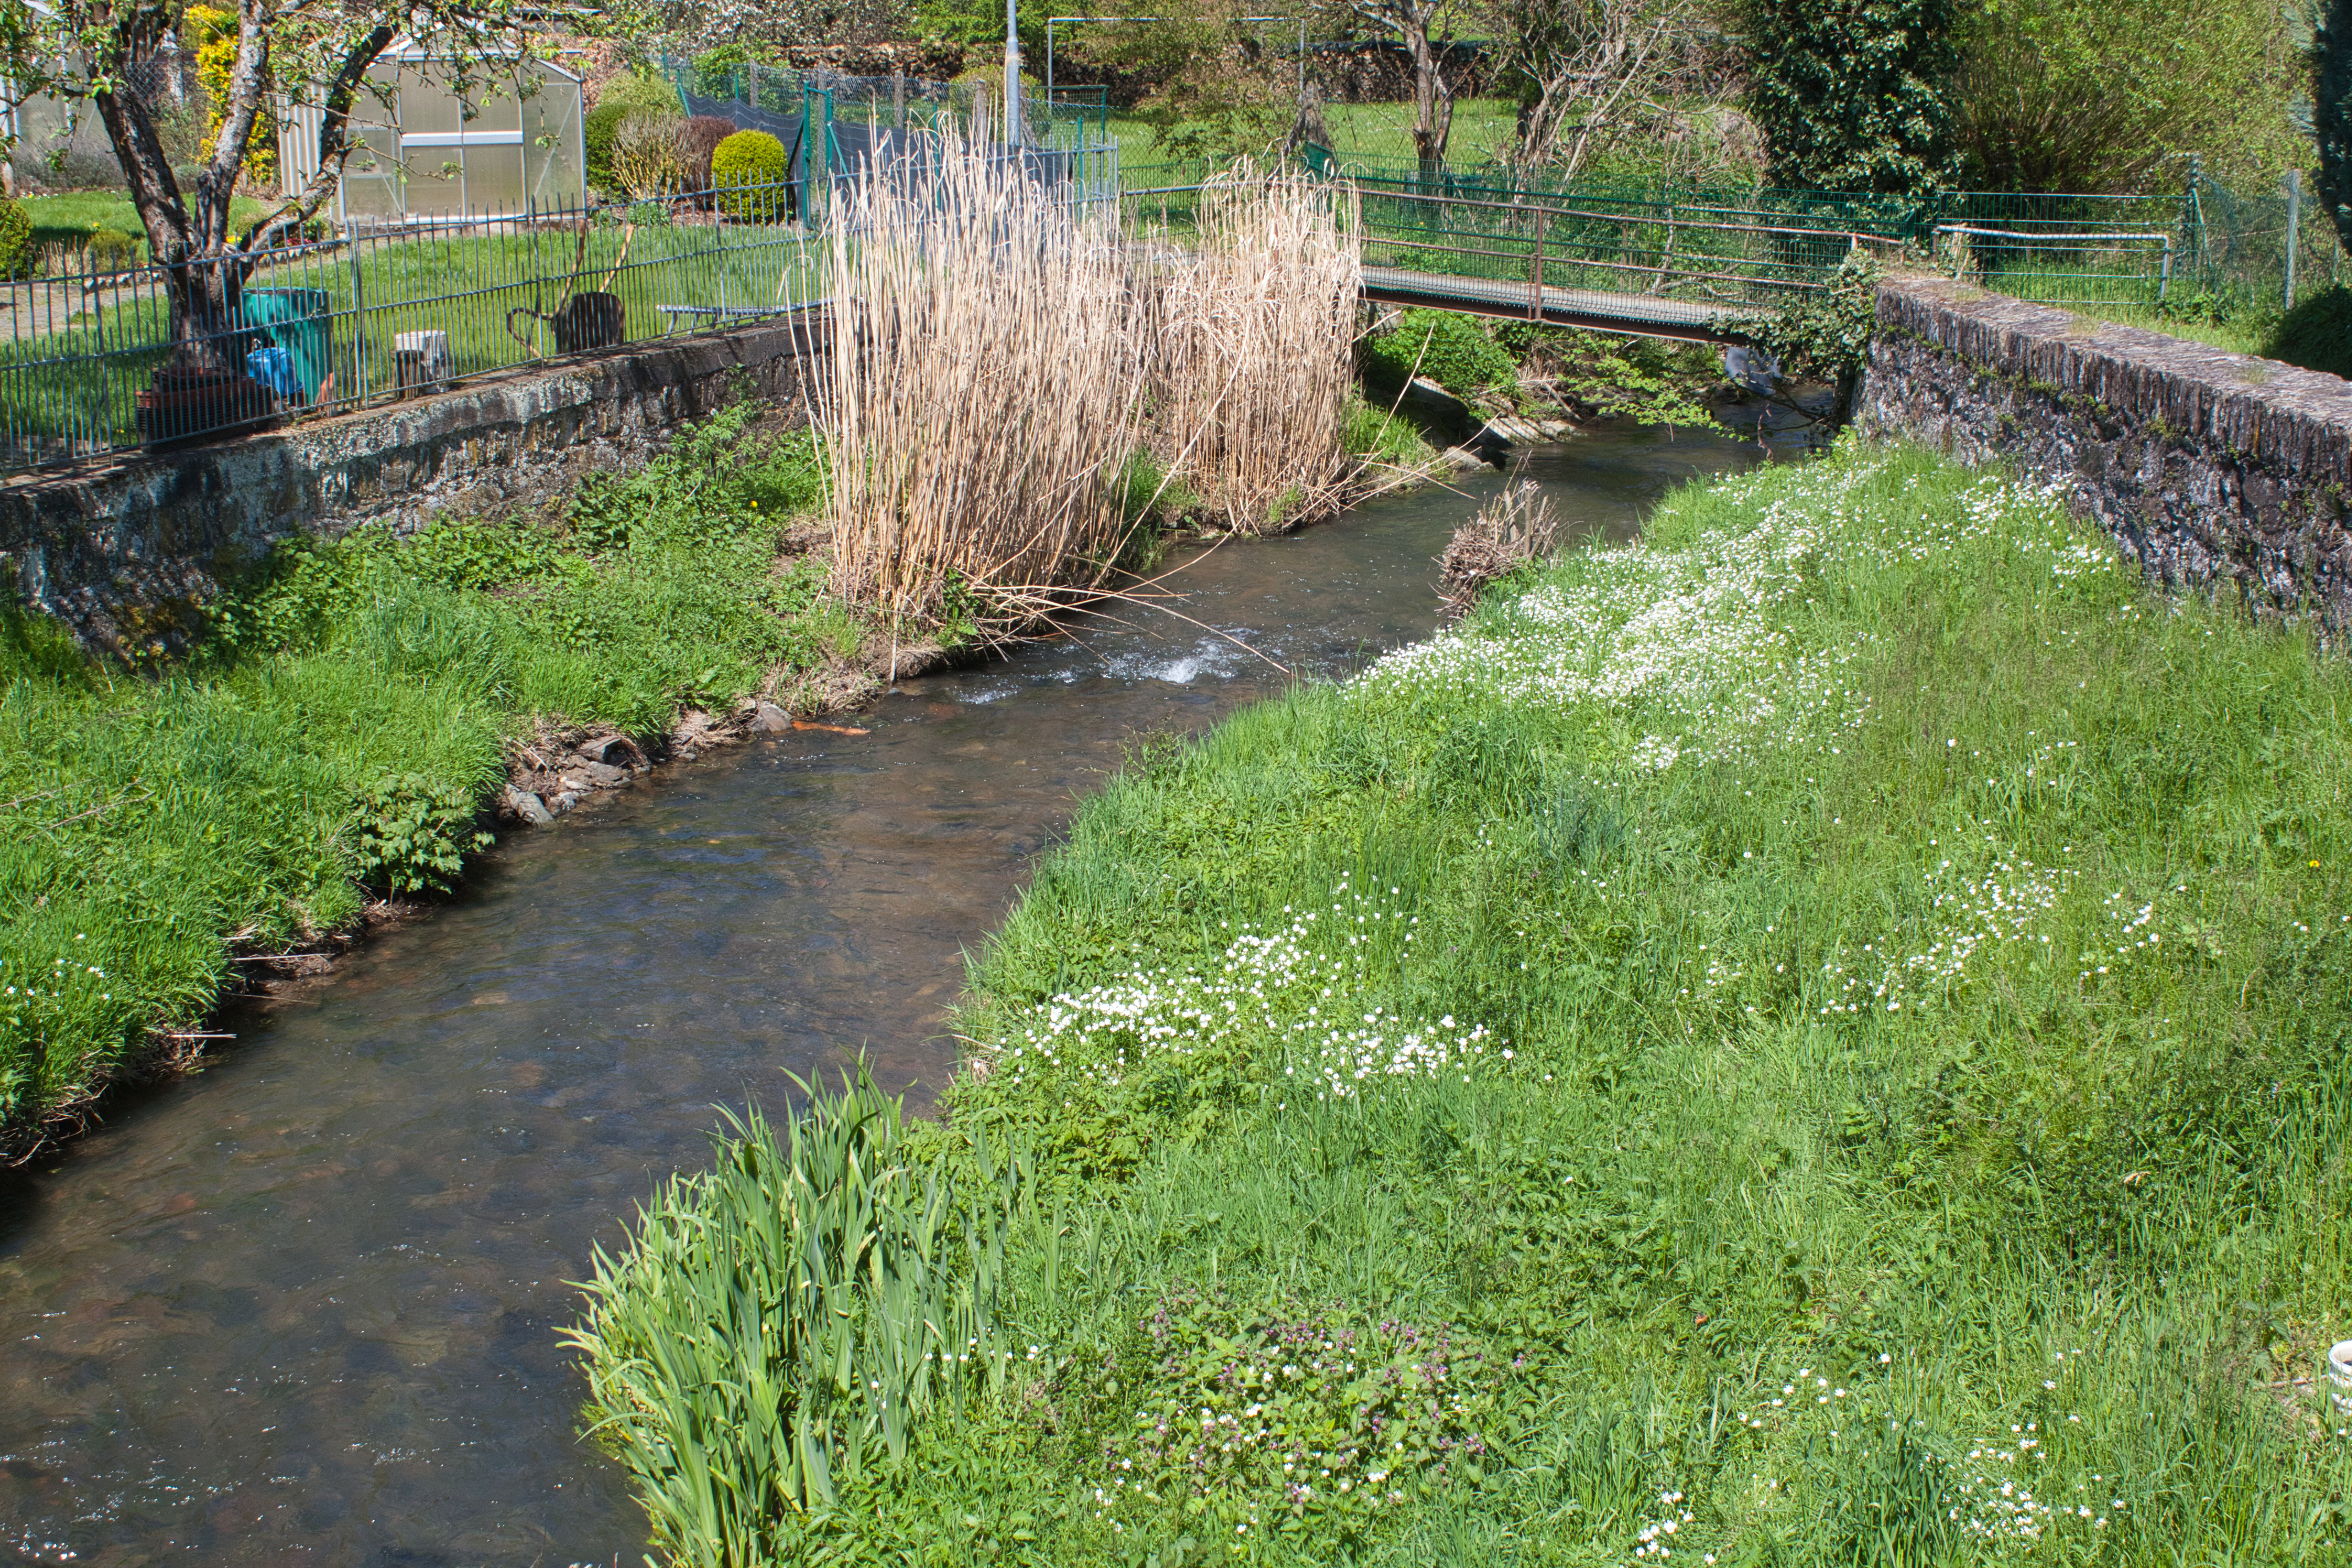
column 1515, row 529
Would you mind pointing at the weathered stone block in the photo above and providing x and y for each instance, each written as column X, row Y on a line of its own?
column 2214, row 471
column 91, row 543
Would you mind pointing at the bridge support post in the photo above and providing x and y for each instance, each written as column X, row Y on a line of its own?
column 1535, row 271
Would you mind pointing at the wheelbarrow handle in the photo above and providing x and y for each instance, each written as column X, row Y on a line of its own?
column 528, row 346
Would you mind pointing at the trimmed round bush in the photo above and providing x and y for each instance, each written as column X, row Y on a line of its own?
column 15, row 240
column 748, row 170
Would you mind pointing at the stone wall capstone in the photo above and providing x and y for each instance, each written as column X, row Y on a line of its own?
column 2214, row 470
column 122, row 551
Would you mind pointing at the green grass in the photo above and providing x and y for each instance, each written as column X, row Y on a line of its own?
column 347, row 707
column 1483, row 129
column 83, row 213
column 1851, row 998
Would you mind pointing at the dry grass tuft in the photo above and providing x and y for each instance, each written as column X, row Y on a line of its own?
column 981, row 390
column 1256, row 331
column 1517, row 527
column 992, row 353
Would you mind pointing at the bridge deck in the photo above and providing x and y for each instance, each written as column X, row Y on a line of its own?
column 1643, row 315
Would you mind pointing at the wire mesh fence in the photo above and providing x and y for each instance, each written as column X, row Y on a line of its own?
column 2202, row 249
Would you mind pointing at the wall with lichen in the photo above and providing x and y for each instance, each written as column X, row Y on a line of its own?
column 123, row 551
column 2213, row 470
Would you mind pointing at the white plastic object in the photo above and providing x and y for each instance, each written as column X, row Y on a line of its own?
column 2339, row 1372
column 420, row 358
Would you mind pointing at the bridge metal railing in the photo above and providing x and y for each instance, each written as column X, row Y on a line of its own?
column 2201, row 247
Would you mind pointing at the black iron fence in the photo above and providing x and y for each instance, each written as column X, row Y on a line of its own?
column 95, row 360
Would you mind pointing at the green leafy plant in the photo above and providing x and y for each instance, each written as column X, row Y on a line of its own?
column 16, row 250
column 2316, row 334
column 780, row 1325
column 2331, row 110
column 1824, row 335
column 749, row 170
column 410, row 834
column 1641, row 379
column 598, row 128
column 1285, row 1423
column 1855, row 94
column 1450, row 349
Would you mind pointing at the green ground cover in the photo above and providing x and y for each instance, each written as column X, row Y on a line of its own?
column 349, row 706
column 1817, row 1038
column 74, row 214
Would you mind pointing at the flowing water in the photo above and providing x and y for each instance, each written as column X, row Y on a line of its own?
column 301, row 1307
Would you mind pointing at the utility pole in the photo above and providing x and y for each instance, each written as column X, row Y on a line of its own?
column 1012, row 75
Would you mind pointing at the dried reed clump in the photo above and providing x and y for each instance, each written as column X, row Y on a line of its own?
column 1516, row 528
column 981, row 391
column 1256, row 328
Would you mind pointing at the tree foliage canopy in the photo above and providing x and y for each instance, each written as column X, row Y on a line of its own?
column 1855, row 95
column 2104, row 95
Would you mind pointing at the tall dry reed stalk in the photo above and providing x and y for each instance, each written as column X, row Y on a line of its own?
column 1256, row 324
column 982, row 390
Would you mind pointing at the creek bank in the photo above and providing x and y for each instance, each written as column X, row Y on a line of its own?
column 361, row 718
column 1628, row 1003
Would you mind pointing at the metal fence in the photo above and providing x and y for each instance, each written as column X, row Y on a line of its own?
column 91, row 360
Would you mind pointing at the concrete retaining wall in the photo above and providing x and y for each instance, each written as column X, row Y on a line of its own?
column 2213, row 470
column 122, row 551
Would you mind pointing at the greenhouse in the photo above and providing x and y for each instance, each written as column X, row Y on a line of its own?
column 428, row 148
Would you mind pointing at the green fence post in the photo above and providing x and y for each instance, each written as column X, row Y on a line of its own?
column 2293, row 228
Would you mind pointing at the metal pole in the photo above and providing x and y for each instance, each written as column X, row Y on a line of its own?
column 2293, row 227
column 1012, row 75
column 1535, row 283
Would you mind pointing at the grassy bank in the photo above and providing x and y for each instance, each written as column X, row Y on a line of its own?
column 1818, row 1039
column 349, row 706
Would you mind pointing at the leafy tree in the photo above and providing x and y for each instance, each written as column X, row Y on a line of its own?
column 2103, row 95
column 1426, row 29
column 1855, row 94
column 1218, row 84
column 1589, row 72
column 308, row 52
column 2331, row 110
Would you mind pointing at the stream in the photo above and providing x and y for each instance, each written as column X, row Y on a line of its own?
column 301, row 1307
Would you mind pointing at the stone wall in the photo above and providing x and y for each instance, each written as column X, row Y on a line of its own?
column 121, row 551
column 2213, row 470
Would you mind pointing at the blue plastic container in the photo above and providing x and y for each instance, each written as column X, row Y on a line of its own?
column 300, row 325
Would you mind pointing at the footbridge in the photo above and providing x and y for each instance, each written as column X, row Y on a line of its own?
column 1693, row 267
column 1694, row 270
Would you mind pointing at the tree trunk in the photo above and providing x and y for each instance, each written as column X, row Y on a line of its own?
column 1433, row 101
column 203, row 278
